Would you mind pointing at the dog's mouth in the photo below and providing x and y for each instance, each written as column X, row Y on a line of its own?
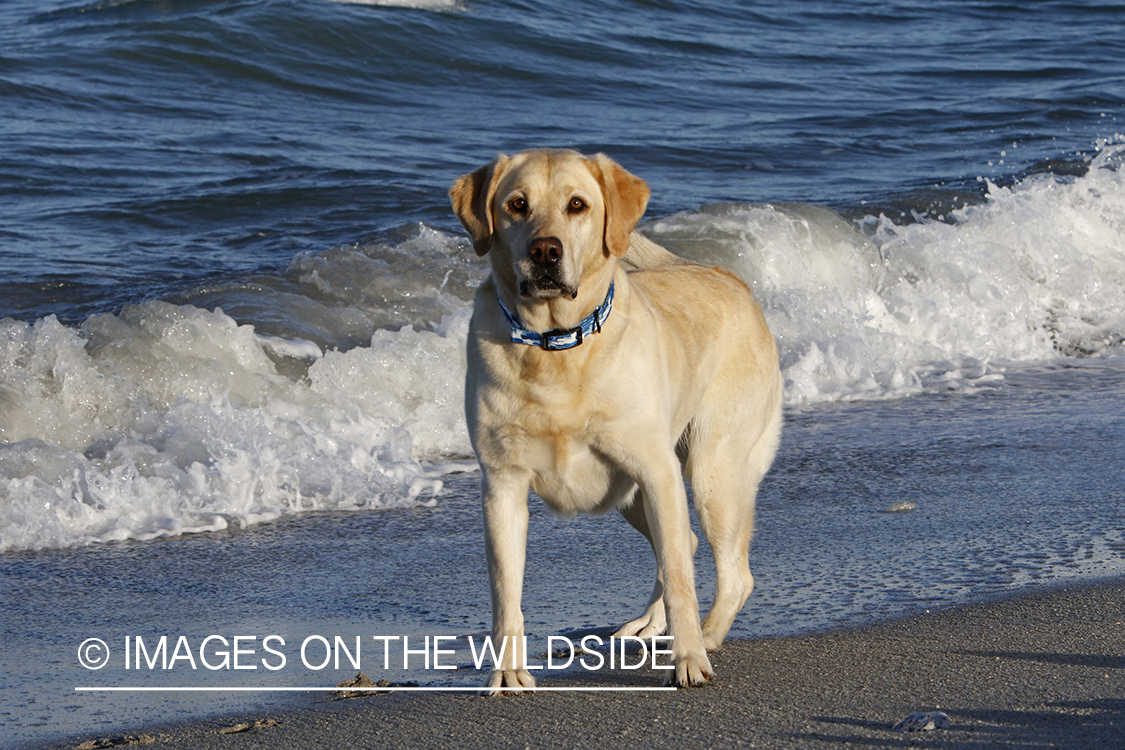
column 546, row 287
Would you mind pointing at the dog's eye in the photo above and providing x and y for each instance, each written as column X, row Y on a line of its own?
column 576, row 206
column 518, row 206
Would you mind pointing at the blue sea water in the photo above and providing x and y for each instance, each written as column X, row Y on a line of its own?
column 233, row 293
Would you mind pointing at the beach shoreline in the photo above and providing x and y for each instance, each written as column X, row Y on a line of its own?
column 1038, row 668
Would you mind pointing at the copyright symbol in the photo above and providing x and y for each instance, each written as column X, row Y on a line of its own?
column 93, row 653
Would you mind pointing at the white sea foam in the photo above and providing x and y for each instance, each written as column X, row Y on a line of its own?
column 887, row 309
column 166, row 419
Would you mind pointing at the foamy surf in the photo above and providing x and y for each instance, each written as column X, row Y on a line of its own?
column 171, row 419
column 884, row 309
column 165, row 419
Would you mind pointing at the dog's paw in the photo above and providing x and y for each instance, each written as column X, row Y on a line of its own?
column 649, row 624
column 712, row 641
column 692, row 671
column 508, row 680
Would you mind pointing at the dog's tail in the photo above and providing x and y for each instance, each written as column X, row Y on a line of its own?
column 643, row 253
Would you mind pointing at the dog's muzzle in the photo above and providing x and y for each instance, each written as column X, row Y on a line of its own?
column 543, row 270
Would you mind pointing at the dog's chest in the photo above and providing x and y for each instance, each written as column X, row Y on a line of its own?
column 556, row 416
column 569, row 469
column 560, row 439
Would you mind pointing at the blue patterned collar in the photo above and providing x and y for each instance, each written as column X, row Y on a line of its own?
column 558, row 339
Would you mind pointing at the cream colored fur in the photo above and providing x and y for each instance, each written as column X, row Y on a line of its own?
column 681, row 381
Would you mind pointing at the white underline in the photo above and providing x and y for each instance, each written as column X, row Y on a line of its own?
column 389, row 689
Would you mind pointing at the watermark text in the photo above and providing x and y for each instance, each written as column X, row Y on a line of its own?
column 378, row 652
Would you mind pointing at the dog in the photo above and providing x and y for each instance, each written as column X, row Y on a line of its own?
column 602, row 370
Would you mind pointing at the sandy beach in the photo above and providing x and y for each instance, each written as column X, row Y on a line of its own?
column 1038, row 670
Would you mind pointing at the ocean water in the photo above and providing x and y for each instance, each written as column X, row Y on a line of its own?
column 234, row 300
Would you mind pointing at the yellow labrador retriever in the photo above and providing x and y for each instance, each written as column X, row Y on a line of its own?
column 602, row 370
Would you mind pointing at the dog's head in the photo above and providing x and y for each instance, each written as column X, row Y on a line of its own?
column 549, row 218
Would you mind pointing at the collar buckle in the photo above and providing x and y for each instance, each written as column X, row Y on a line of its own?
column 559, row 335
column 559, row 339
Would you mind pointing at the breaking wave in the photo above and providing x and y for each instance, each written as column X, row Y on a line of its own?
column 347, row 389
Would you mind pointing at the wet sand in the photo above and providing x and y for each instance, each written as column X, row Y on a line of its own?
column 1038, row 670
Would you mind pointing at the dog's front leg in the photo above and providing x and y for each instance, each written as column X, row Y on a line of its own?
column 505, row 530
column 666, row 512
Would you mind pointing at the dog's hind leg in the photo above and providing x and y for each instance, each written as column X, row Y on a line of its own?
column 725, row 474
column 654, row 620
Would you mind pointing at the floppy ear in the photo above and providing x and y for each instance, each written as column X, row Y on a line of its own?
column 472, row 195
column 626, row 197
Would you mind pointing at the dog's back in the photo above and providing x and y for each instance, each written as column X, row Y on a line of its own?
column 644, row 254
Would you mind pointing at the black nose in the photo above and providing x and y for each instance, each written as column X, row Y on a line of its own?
column 545, row 251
